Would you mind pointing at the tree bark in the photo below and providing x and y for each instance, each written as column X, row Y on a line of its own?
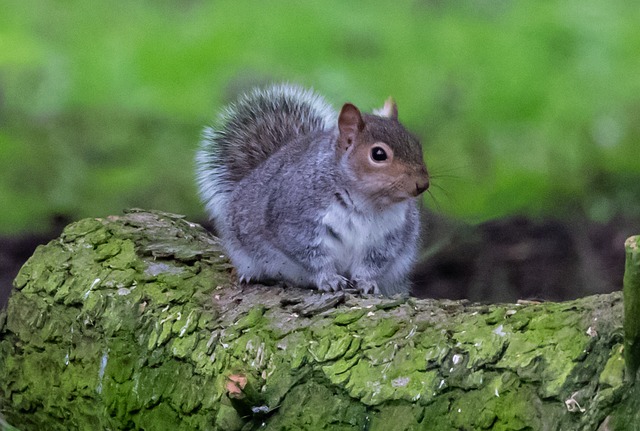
column 134, row 322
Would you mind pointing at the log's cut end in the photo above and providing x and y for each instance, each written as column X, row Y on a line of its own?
column 100, row 301
column 631, row 290
column 134, row 322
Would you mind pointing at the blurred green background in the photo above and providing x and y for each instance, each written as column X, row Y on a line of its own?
column 523, row 107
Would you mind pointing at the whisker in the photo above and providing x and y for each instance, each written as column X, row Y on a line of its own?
column 443, row 190
column 450, row 169
column 448, row 172
column 448, row 176
column 435, row 201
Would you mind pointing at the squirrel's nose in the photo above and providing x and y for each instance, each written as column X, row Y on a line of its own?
column 422, row 180
column 422, row 186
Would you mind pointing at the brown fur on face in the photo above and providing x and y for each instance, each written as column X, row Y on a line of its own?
column 384, row 157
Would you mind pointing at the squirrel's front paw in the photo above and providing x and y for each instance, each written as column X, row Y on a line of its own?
column 366, row 286
column 332, row 283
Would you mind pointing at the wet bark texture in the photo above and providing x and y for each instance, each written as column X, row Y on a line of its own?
column 135, row 322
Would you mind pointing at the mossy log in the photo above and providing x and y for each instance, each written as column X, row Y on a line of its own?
column 134, row 322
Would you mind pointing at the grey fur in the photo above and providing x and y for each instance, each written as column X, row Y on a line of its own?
column 286, row 208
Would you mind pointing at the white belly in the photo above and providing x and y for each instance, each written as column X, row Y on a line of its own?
column 352, row 234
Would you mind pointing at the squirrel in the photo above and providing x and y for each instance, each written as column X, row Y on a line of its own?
column 301, row 194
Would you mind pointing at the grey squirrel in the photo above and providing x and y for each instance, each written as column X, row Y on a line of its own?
column 318, row 199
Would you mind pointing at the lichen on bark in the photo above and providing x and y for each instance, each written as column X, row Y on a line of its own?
column 135, row 322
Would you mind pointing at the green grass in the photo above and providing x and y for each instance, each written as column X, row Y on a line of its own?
column 522, row 107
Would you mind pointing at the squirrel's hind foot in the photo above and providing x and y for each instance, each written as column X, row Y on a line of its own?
column 337, row 282
column 367, row 287
column 332, row 283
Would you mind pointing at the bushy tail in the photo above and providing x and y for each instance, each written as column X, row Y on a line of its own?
column 249, row 131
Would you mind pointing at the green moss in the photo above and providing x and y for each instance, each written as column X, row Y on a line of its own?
column 397, row 418
column 186, row 323
column 295, row 347
column 382, row 330
column 312, row 407
column 483, row 343
column 160, row 417
column 87, row 230
column 496, row 316
column 228, row 418
column 614, row 370
column 182, row 347
column 5, row 426
column 354, row 347
column 338, row 347
column 165, row 331
column 319, row 349
column 349, row 316
column 251, row 319
column 337, row 371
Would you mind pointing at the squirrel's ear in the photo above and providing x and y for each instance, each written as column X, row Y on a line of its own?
column 350, row 123
column 389, row 110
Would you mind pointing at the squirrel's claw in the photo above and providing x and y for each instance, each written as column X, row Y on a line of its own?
column 336, row 282
column 333, row 283
column 366, row 287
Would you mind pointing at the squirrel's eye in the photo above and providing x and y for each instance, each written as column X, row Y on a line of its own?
column 378, row 154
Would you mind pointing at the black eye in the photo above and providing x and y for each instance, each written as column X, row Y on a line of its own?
column 378, row 154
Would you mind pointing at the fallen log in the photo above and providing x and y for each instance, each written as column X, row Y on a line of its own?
column 135, row 322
